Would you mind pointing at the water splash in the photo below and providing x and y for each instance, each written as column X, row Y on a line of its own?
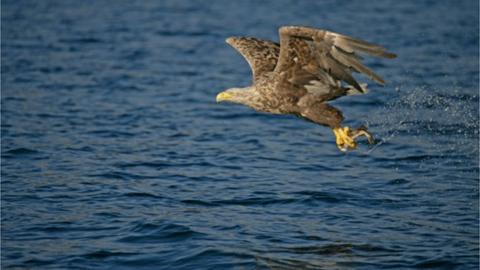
column 428, row 118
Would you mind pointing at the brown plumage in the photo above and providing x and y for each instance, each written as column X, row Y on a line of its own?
column 298, row 76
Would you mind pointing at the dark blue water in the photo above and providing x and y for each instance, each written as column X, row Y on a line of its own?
column 116, row 156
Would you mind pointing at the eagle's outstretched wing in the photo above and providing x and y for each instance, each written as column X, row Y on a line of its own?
column 261, row 55
column 307, row 53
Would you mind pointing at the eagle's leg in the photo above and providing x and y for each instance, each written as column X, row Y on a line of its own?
column 345, row 137
column 327, row 115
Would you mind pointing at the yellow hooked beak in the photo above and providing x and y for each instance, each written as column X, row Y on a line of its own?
column 224, row 96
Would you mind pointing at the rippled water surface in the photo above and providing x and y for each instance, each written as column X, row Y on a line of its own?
column 116, row 156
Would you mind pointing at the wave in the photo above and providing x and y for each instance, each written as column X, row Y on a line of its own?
column 255, row 201
column 147, row 232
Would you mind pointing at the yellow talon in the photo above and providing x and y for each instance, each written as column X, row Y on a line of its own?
column 345, row 138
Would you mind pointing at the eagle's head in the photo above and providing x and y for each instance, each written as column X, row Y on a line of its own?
column 245, row 96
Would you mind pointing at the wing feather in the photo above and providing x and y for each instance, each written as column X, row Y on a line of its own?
column 353, row 63
column 261, row 55
column 337, row 55
column 351, row 45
